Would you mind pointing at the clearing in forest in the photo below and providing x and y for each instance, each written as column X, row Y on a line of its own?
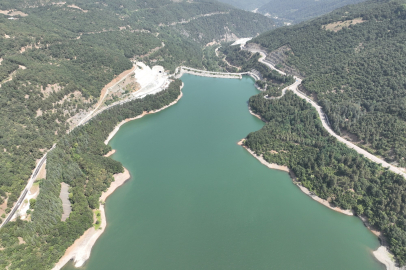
column 337, row 26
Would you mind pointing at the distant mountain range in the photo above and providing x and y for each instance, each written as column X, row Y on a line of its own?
column 291, row 11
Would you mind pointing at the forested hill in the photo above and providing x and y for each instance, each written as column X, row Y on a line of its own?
column 353, row 61
column 55, row 58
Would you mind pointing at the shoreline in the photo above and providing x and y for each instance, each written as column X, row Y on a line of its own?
column 110, row 153
column 256, row 115
column 382, row 254
column 302, row 188
column 81, row 249
column 116, row 128
column 263, row 161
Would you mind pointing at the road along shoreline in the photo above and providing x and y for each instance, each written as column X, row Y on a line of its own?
column 324, row 121
column 116, row 129
column 81, row 249
column 382, row 254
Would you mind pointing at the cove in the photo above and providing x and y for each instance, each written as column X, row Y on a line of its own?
column 197, row 200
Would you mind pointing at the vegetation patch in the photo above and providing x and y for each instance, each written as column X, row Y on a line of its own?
column 337, row 26
column 329, row 168
column 98, row 222
column 356, row 74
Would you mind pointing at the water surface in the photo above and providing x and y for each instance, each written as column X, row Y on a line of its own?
column 197, row 200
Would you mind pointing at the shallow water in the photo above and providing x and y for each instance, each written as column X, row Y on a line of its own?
column 197, row 200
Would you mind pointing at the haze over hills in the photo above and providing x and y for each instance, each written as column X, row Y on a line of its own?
column 295, row 11
column 291, row 11
column 353, row 64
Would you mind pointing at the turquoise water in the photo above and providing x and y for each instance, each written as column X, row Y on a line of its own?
column 197, row 200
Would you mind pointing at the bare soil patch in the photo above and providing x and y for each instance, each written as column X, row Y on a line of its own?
column 76, row 7
column 64, row 196
column 350, row 136
column 25, row 48
column 12, row 12
column 20, row 240
column 51, row 88
column 337, row 26
column 39, row 113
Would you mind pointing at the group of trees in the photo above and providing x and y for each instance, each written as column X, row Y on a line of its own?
column 77, row 160
column 356, row 70
column 294, row 136
column 74, row 48
column 60, row 50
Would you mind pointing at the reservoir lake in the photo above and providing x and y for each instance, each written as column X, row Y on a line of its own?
column 197, row 200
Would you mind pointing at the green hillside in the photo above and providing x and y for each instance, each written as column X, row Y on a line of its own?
column 353, row 64
column 76, row 50
column 54, row 60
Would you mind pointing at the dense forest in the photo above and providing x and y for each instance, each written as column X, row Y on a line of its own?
column 294, row 136
column 78, row 161
column 353, row 61
column 55, row 57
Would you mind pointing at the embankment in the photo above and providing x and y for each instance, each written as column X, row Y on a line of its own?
column 204, row 73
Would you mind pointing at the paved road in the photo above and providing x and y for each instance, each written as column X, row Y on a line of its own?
column 139, row 94
column 26, row 189
column 325, row 121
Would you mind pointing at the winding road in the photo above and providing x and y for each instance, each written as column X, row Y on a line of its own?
column 293, row 87
column 324, row 119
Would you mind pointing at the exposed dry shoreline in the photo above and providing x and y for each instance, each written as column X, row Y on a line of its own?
column 80, row 250
column 286, row 169
column 111, row 135
column 382, row 254
column 254, row 114
column 110, row 153
column 386, row 258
